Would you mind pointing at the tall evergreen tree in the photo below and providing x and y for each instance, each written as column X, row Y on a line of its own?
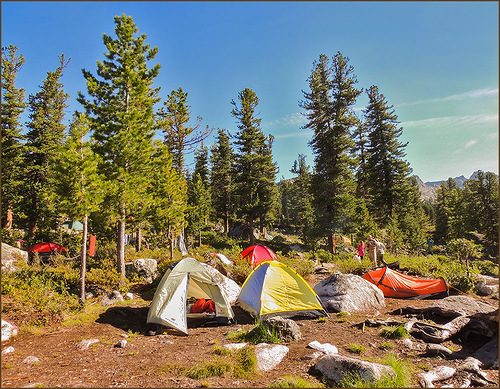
column 120, row 106
column 449, row 221
column 78, row 184
column 180, row 138
column 329, row 110
column 201, row 164
column 388, row 176
column 481, row 207
column 43, row 140
column 255, row 170
column 360, row 135
column 13, row 105
column 222, row 178
column 198, row 206
column 169, row 192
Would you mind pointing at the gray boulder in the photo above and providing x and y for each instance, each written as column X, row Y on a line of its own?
column 452, row 307
column 145, row 268
column 112, row 298
column 30, row 360
column 483, row 289
column 11, row 256
column 86, row 343
column 122, row 343
column 349, row 293
column 269, row 356
column 8, row 330
column 8, row 350
column 286, row 329
column 334, row 367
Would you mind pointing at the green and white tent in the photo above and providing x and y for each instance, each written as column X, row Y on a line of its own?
column 189, row 278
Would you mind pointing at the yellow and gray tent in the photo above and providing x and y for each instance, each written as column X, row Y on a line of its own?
column 274, row 289
column 189, row 278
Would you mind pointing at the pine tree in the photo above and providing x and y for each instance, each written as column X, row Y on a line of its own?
column 43, row 142
column 78, row 184
column 329, row 111
column 448, row 225
column 388, row 172
column 256, row 191
column 360, row 135
column 120, row 105
column 169, row 192
column 222, row 179
column 13, row 105
column 482, row 207
column 201, row 164
column 173, row 120
column 198, row 206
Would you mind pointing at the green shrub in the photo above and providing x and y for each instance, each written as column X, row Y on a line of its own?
column 240, row 270
column 487, row 268
column 39, row 297
column 386, row 346
column 214, row 368
column 394, row 332
column 259, row 334
column 104, row 280
column 323, row 256
column 302, row 266
column 290, row 381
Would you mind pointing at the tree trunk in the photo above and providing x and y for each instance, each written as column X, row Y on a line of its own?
column 226, row 223
column 121, row 246
column 83, row 264
column 171, row 249
column 331, row 242
column 252, row 237
column 10, row 218
column 138, row 239
column 199, row 239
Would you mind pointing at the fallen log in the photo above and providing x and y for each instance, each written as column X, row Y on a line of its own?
column 440, row 373
column 488, row 354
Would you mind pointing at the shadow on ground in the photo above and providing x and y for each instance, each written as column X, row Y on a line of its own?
column 125, row 318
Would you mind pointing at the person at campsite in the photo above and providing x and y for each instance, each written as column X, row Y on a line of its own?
column 380, row 251
column 371, row 247
column 361, row 249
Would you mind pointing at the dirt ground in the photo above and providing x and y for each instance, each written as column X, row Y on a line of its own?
column 144, row 361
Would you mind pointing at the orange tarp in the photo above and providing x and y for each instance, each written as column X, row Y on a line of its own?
column 399, row 285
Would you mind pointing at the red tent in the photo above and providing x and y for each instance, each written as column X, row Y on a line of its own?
column 399, row 285
column 257, row 254
column 47, row 247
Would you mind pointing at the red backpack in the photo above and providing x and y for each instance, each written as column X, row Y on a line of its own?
column 203, row 305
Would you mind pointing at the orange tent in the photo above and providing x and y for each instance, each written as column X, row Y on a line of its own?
column 399, row 285
column 257, row 254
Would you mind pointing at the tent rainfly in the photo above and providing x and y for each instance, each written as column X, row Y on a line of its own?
column 188, row 279
column 257, row 254
column 399, row 285
column 274, row 289
column 47, row 247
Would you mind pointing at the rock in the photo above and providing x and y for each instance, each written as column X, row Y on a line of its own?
column 433, row 350
column 286, row 329
column 8, row 350
column 230, row 288
column 8, row 330
column 488, row 354
column 145, row 268
column 122, row 343
column 34, row 385
column 440, row 373
column 334, row 367
column 484, row 289
column 89, row 295
column 235, row 346
column 327, row 348
column 349, row 293
column 86, row 343
column 408, row 343
column 129, row 296
column 452, row 307
column 11, row 256
column 269, row 356
column 312, row 357
column 30, row 360
column 113, row 298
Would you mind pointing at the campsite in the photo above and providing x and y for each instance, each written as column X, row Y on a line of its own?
column 249, row 194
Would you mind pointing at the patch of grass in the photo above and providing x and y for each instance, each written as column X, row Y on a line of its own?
column 356, row 348
column 323, row 319
column 400, row 380
column 386, row 346
column 219, row 349
column 132, row 335
column 214, row 368
column 89, row 314
column 394, row 332
column 170, row 368
column 291, row 381
column 259, row 334
column 245, row 363
column 132, row 353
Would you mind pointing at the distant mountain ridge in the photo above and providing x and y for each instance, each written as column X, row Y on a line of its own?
column 428, row 190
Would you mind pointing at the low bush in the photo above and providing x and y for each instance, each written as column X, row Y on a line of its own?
column 39, row 296
column 302, row 266
column 356, row 348
column 259, row 334
column 240, row 270
column 104, row 281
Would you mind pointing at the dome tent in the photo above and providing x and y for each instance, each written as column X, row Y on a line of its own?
column 274, row 289
column 257, row 254
column 188, row 279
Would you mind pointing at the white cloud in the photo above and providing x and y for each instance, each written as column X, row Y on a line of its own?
column 451, row 121
column 472, row 94
column 291, row 120
column 470, row 143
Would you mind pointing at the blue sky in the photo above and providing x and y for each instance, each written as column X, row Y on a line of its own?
column 437, row 63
